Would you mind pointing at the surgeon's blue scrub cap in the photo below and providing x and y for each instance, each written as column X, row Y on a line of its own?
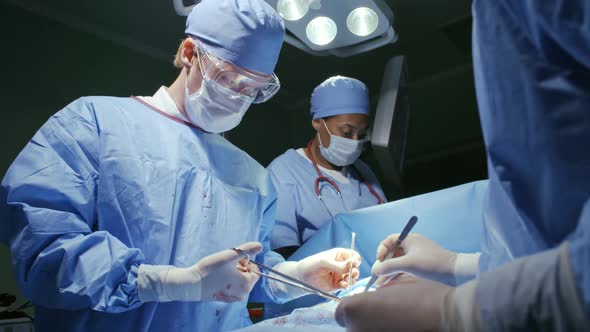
column 339, row 95
column 247, row 33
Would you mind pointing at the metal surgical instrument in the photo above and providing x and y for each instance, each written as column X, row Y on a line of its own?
column 287, row 279
column 396, row 245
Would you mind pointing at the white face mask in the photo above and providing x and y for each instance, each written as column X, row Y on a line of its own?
column 215, row 108
column 341, row 151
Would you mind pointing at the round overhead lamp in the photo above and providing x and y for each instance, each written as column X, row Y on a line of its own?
column 321, row 30
column 292, row 10
column 362, row 21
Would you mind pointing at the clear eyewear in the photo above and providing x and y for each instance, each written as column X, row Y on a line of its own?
column 260, row 88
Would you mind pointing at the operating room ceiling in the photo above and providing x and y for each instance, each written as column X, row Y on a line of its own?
column 434, row 36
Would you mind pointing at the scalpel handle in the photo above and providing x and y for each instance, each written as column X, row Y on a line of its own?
column 396, row 245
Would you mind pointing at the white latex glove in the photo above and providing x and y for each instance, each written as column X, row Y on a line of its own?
column 411, row 304
column 327, row 270
column 214, row 278
column 424, row 258
column 405, row 304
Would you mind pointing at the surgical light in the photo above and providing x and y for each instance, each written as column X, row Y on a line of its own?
column 293, row 10
column 362, row 21
column 329, row 27
column 321, row 30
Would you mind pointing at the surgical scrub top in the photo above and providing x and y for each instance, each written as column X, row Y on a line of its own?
column 110, row 183
column 299, row 211
column 532, row 75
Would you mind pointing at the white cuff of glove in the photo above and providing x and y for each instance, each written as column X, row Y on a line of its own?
column 281, row 291
column 164, row 283
column 465, row 267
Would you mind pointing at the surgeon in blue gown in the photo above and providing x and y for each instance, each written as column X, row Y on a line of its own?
column 120, row 212
column 532, row 74
column 340, row 111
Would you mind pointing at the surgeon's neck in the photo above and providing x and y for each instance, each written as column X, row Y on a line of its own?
column 319, row 159
column 176, row 92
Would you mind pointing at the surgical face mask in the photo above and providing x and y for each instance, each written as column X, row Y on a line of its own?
column 341, row 151
column 215, row 108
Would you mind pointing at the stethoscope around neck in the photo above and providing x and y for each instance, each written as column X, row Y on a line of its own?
column 322, row 178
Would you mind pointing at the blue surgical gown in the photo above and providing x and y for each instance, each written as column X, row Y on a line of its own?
column 299, row 211
column 108, row 184
column 532, row 73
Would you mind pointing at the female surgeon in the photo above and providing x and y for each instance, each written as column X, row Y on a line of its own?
column 325, row 177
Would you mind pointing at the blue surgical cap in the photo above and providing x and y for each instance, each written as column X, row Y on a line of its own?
column 339, row 95
column 247, row 33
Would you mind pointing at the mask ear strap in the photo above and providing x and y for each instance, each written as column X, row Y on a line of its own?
column 320, row 139
column 325, row 125
column 198, row 56
column 320, row 136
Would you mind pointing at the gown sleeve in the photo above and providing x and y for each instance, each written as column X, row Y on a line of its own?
column 48, row 211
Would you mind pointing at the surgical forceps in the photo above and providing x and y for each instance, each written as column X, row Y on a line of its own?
column 287, row 279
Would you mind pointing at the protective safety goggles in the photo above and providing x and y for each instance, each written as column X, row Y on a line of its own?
column 259, row 87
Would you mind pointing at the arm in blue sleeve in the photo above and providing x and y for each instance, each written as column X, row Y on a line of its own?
column 546, row 291
column 49, row 200
column 284, row 232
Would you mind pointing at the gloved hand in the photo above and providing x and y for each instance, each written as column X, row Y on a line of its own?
column 406, row 304
column 412, row 304
column 424, row 258
column 327, row 270
column 223, row 277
